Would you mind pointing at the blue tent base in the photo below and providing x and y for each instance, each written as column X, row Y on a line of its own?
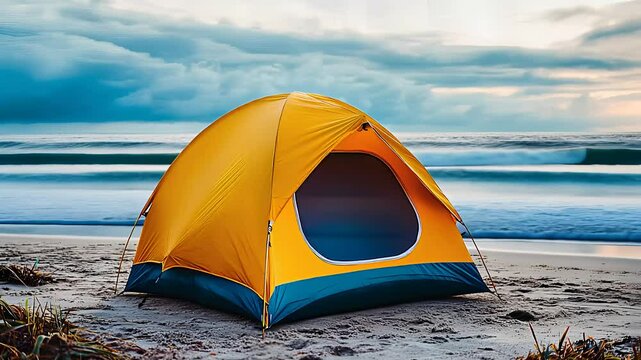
column 205, row 289
column 312, row 297
column 372, row 288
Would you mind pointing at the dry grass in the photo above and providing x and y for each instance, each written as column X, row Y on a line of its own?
column 24, row 275
column 43, row 332
column 585, row 349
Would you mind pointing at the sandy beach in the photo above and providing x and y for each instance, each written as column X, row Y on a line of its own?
column 596, row 291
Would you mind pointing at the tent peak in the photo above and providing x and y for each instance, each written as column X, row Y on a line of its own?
column 320, row 99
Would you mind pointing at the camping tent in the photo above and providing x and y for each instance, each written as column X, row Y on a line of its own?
column 299, row 205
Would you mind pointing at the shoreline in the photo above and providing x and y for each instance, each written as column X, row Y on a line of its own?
column 117, row 230
column 588, row 248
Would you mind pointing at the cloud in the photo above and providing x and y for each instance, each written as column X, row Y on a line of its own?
column 86, row 61
column 632, row 27
column 564, row 14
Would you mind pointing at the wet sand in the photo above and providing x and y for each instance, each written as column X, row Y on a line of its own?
column 596, row 291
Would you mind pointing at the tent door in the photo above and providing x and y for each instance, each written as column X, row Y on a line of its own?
column 352, row 209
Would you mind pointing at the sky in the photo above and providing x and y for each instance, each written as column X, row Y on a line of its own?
column 456, row 65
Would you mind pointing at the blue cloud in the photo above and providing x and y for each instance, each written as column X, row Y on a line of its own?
column 622, row 29
column 99, row 64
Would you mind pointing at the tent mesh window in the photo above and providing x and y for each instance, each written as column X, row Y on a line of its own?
column 352, row 208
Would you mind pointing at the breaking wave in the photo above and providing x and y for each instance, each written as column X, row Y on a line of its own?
column 429, row 157
column 86, row 159
column 576, row 156
column 525, row 176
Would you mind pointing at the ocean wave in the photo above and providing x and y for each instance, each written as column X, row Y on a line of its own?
column 106, row 222
column 525, row 176
column 22, row 145
column 612, row 157
column 454, row 157
column 440, row 174
column 414, row 139
column 577, row 156
column 522, row 140
column 86, row 159
column 98, row 176
column 429, row 157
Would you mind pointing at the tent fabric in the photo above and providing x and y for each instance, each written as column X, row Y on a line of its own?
column 209, row 214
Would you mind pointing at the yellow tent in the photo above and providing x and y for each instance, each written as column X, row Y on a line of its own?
column 298, row 205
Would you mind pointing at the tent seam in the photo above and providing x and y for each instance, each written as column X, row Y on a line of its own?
column 162, row 178
column 271, row 187
column 458, row 218
column 267, row 270
column 343, row 137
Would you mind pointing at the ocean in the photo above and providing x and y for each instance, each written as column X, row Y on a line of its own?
column 555, row 186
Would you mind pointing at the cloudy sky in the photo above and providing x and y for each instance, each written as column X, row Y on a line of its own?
column 553, row 65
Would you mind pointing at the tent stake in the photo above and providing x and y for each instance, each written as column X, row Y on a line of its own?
column 122, row 256
column 482, row 260
column 267, row 246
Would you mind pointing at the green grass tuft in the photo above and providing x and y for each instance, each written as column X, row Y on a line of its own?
column 585, row 349
column 36, row 331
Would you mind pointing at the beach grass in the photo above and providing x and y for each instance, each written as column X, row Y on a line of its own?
column 36, row 331
column 24, row 275
column 586, row 348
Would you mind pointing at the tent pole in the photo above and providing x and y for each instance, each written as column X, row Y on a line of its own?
column 122, row 256
column 482, row 260
column 265, row 309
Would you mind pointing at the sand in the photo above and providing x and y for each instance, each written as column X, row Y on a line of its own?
column 590, row 292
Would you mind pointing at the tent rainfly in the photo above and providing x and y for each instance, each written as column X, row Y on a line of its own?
column 295, row 206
